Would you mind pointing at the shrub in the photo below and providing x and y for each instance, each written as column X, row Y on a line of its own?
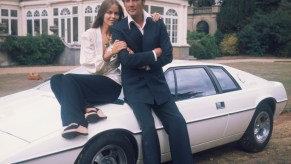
column 218, row 36
column 197, row 50
column 194, row 35
column 249, row 43
column 229, row 45
column 212, row 50
column 29, row 50
column 196, row 40
column 285, row 50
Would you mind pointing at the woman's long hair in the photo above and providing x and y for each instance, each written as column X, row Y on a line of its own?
column 106, row 4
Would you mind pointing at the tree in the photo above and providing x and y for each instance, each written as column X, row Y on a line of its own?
column 235, row 14
column 286, row 6
column 267, row 6
column 268, row 32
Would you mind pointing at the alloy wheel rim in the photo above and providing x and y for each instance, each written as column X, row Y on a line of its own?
column 110, row 154
column 262, row 127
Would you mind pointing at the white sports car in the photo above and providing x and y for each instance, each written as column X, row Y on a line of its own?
column 220, row 104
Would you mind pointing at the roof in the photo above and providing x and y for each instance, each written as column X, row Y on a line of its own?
column 178, row 63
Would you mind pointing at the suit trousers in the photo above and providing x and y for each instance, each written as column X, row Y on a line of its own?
column 175, row 126
column 76, row 92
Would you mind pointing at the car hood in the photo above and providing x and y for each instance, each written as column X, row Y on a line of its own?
column 29, row 115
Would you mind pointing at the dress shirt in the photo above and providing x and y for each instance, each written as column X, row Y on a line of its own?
column 141, row 29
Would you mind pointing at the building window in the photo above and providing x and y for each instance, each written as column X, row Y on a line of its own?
column 97, row 9
column 65, row 11
column 202, row 27
column 171, row 21
column 4, row 12
column 44, row 13
column 157, row 9
column 88, row 9
column 44, row 22
column 90, row 16
column 56, row 11
column 66, row 19
column 28, row 14
column 37, row 23
column 170, row 18
column 9, row 17
column 36, row 14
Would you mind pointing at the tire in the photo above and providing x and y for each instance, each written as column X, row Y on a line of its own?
column 109, row 148
column 259, row 131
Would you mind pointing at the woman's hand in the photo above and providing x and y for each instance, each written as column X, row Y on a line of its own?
column 118, row 46
column 156, row 16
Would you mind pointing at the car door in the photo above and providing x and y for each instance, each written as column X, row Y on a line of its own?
column 199, row 102
column 236, row 102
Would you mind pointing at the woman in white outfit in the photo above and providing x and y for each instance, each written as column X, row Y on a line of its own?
column 78, row 93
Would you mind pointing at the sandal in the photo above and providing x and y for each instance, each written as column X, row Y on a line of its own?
column 92, row 116
column 74, row 130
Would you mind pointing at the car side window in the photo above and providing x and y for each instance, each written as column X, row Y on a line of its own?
column 171, row 81
column 193, row 82
column 225, row 81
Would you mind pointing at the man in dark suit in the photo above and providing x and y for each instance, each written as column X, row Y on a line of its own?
column 145, row 87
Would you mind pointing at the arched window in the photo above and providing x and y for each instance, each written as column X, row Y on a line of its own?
column 97, row 8
column 171, row 21
column 171, row 12
column 202, row 26
column 67, row 22
column 88, row 9
column 44, row 13
column 90, row 16
column 36, row 14
column 29, row 14
column 37, row 23
column 65, row 11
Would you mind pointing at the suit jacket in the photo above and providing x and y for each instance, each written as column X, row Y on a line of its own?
column 139, row 84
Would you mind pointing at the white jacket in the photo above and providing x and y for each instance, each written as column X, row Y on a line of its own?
column 91, row 56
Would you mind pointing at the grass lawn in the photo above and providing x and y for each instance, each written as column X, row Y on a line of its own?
column 277, row 71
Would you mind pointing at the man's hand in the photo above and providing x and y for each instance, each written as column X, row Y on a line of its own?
column 158, row 52
column 129, row 51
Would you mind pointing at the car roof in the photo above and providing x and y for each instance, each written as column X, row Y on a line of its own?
column 183, row 63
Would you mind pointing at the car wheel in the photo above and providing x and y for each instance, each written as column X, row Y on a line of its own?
column 108, row 148
column 259, row 131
